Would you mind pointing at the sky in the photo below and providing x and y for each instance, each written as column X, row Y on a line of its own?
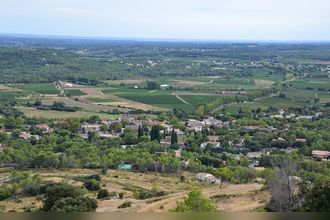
column 233, row 20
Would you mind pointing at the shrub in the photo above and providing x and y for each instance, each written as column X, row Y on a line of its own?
column 79, row 204
column 103, row 193
column 121, row 195
column 95, row 176
column 126, row 204
column 5, row 194
column 182, row 178
column 92, row 185
column 57, row 192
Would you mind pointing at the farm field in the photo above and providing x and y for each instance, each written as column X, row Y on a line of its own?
column 74, row 92
column 8, row 95
column 184, row 93
column 235, row 108
column 282, row 103
column 42, row 88
column 100, row 100
column 317, row 84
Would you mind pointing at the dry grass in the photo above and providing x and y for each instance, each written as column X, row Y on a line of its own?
column 125, row 81
column 187, row 83
column 263, row 83
column 35, row 113
column 125, row 104
column 244, row 197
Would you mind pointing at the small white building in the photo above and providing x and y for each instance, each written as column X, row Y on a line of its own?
column 90, row 128
column 68, row 85
column 207, row 177
column 163, row 86
column 26, row 136
column 254, row 155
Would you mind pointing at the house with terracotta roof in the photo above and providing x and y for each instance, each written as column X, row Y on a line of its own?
column 322, row 155
column 44, row 127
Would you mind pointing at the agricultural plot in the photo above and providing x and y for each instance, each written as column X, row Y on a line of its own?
column 198, row 99
column 317, row 84
column 235, row 108
column 8, row 95
column 300, row 95
column 42, row 88
column 101, row 100
column 282, row 103
column 135, row 92
column 324, row 97
column 74, row 92
column 154, row 100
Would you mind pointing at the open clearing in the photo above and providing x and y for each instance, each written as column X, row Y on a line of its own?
column 125, row 81
column 229, row 197
column 42, row 88
column 116, row 101
column 263, row 83
column 35, row 113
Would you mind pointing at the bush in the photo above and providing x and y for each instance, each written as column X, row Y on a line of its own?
column 121, row 195
column 5, row 194
column 57, row 192
column 103, row 193
column 126, row 204
column 95, row 176
column 318, row 199
column 182, row 178
column 80, row 204
column 92, row 185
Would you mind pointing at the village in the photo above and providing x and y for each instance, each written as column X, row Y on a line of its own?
column 130, row 130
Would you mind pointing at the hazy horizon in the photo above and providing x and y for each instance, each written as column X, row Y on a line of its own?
column 185, row 20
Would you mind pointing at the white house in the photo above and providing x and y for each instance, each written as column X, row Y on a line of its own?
column 207, row 177
column 91, row 128
column 163, row 86
column 68, row 85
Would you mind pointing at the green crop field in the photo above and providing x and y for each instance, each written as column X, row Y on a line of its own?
column 100, row 100
column 75, row 92
column 8, row 95
column 43, row 88
column 185, row 107
column 158, row 99
column 282, row 103
column 317, row 84
column 234, row 108
column 136, row 92
column 300, row 95
column 198, row 99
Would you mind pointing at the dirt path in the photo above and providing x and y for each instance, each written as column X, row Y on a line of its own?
column 182, row 100
column 197, row 94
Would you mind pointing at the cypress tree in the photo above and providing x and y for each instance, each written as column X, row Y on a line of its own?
column 174, row 137
column 140, row 131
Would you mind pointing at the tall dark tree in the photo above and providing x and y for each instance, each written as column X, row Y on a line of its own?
column 152, row 85
column 140, row 131
column 174, row 137
column 155, row 133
